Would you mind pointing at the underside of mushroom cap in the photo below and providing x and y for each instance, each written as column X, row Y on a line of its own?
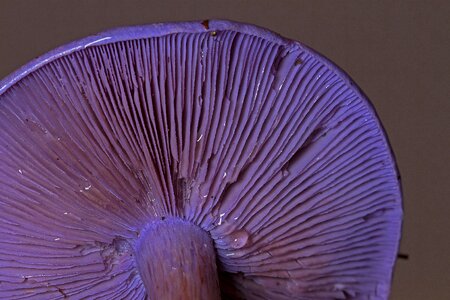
column 257, row 140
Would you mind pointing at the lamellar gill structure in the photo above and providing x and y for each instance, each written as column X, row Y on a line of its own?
column 193, row 160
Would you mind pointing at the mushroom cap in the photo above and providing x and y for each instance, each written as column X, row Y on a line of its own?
column 255, row 138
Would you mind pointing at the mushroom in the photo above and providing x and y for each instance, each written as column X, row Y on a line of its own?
column 159, row 161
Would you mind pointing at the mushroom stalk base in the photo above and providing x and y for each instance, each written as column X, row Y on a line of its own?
column 176, row 260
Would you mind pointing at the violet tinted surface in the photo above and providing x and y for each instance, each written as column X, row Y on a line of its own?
column 180, row 265
column 255, row 139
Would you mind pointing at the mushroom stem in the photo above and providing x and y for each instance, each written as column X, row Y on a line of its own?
column 176, row 260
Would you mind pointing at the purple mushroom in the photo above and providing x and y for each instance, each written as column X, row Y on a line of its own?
column 193, row 161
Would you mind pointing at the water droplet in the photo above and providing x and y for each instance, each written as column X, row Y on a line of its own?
column 285, row 172
column 238, row 239
column 66, row 213
column 220, row 219
column 198, row 140
column 20, row 171
column 56, row 239
column 84, row 185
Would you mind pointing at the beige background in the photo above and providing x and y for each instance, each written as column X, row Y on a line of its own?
column 397, row 51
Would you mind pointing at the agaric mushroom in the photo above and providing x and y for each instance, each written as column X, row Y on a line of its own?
column 132, row 160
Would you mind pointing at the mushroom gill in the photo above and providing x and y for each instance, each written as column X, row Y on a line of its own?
column 130, row 155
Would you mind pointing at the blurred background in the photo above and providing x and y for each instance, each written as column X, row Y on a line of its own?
column 398, row 52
